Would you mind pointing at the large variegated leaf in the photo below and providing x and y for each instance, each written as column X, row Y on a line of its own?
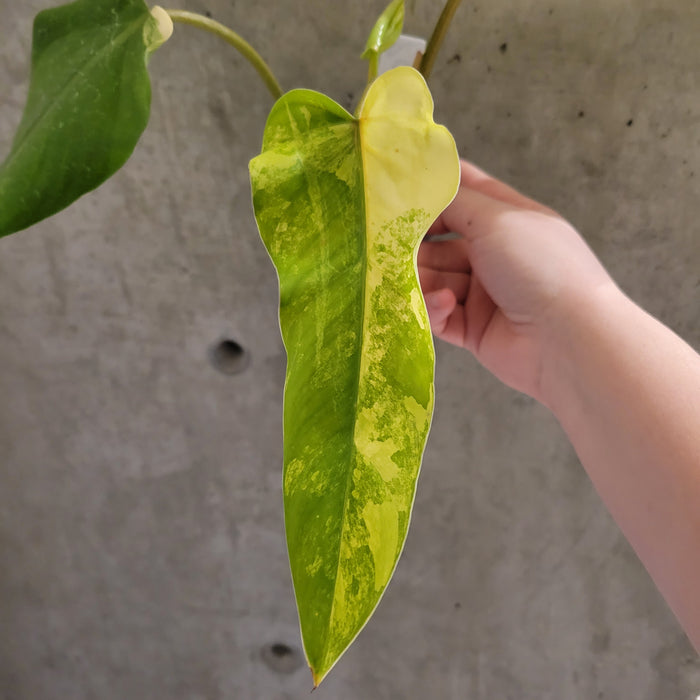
column 342, row 203
column 88, row 103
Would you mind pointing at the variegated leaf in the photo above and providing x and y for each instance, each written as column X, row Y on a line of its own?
column 342, row 203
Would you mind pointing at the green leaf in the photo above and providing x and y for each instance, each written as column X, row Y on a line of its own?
column 342, row 204
column 384, row 34
column 386, row 30
column 88, row 103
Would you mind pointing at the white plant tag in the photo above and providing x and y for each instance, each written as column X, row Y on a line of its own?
column 402, row 53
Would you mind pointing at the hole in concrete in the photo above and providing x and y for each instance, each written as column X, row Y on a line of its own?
column 229, row 357
column 282, row 658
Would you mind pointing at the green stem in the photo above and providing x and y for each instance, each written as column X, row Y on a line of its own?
column 373, row 67
column 438, row 35
column 235, row 40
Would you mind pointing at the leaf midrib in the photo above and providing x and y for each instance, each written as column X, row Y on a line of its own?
column 363, row 325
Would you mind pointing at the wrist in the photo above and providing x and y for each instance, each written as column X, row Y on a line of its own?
column 578, row 330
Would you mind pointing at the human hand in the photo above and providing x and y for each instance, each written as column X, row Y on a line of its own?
column 501, row 288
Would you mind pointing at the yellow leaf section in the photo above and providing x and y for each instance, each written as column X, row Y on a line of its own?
column 400, row 143
column 407, row 160
column 411, row 173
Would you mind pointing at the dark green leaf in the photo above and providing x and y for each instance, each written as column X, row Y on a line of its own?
column 88, row 103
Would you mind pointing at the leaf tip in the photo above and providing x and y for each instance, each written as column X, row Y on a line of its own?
column 317, row 677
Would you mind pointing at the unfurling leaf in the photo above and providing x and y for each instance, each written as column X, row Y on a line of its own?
column 88, row 103
column 342, row 203
column 387, row 28
column 384, row 34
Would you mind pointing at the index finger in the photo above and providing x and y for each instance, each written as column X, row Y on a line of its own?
column 473, row 177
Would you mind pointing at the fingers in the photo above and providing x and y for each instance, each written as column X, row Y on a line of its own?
column 450, row 256
column 460, row 308
column 479, row 309
column 460, row 321
column 434, row 280
column 459, row 217
column 436, row 228
column 473, row 214
column 447, row 319
column 476, row 179
column 440, row 305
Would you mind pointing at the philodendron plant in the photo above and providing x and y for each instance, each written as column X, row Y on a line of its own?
column 342, row 201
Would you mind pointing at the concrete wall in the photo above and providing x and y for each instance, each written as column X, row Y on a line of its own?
column 141, row 537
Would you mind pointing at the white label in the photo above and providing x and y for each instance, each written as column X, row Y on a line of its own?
column 402, row 53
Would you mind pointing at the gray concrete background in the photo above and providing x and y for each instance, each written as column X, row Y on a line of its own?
column 141, row 538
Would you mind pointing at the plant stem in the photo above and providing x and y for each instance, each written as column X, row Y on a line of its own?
column 438, row 35
column 373, row 67
column 235, row 40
